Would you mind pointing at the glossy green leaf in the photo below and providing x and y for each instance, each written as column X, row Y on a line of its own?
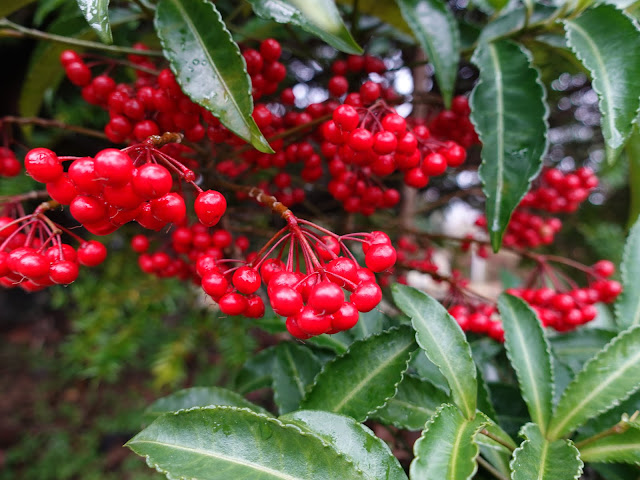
column 362, row 379
column 208, row 64
column 200, row 397
column 512, row 22
column 509, row 112
column 294, row 368
column 609, row 418
column 632, row 150
column 542, row 459
column 427, row 370
column 484, row 397
column 576, row 349
column 257, row 372
column 627, row 305
column 388, row 12
column 444, row 343
column 97, row 14
column 7, row 7
column 320, row 18
column 447, row 449
column 616, row 472
column 496, row 453
column 606, row 380
column 368, row 453
column 620, row 448
column 369, row 323
column 436, row 30
column 222, row 443
column 608, row 43
column 414, row 403
column 338, row 342
column 528, row 351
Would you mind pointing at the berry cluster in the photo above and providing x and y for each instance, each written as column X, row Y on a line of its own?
column 155, row 103
column 555, row 192
column 33, row 255
column 479, row 318
column 376, row 140
column 119, row 186
column 565, row 310
column 9, row 164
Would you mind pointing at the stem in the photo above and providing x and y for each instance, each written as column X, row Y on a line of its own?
column 620, row 427
column 30, row 32
column 34, row 195
column 488, row 434
column 490, row 468
column 43, row 122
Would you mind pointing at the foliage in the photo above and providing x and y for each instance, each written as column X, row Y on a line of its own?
column 527, row 401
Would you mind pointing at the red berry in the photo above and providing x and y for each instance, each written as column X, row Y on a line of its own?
column 91, row 253
column 43, row 165
column 313, row 323
column 63, row 272
column 604, row 268
column 210, row 206
column 345, row 318
column 270, row 50
column 338, row 86
column 366, row 296
column 78, row 73
column 326, row 297
column 113, row 167
column 151, row 181
column 215, row 284
column 285, row 300
column 346, row 117
column 169, row 208
column 380, row 257
column 246, row 280
column 233, row 304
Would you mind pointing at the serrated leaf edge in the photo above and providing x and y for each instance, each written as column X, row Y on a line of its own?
column 527, row 441
column 399, row 424
column 547, row 351
column 437, row 413
column 276, row 394
column 594, row 83
column 545, row 119
column 248, row 121
column 287, row 426
column 632, row 239
column 576, row 379
column 334, row 359
column 356, row 424
column 468, row 411
column 453, row 28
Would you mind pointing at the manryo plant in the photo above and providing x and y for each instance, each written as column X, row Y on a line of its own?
column 299, row 162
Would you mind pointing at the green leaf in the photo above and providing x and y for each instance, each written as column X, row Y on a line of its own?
column 436, row 30
column 414, row 403
column 320, row 18
column 616, row 472
column 97, row 14
column 542, row 459
column 484, row 398
column 606, row 380
column 609, row 418
column 509, row 111
column 512, row 22
column 362, row 379
column 528, row 351
column 222, row 443
column 200, row 397
column 607, row 42
column 294, row 368
column 208, row 64
column 338, row 342
column 447, row 449
column 627, row 305
column 444, row 343
column 581, row 345
column 368, row 453
column 632, row 151
column 369, row 323
column 618, row 447
column 257, row 372
column 7, row 7
column 388, row 12
column 512, row 411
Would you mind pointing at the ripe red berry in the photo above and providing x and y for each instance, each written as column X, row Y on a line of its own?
column 169, row 208
column 246, row 280
column 233, row 304
column 346, row 117
column 151, row 181
column 78, row 73
column 326, row 297
column 43, row 165
column 338, row 86
column 285, row 300
column 63, row 272
column 91, row 253
column 366, row 296
column 313, row 323
column 380, row 257
column 210, row 205
column 113, row 166
column 604, row 268
column 345, row 318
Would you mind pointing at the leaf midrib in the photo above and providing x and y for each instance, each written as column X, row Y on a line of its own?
column 602, row 386
column 608, row 448
column 207, row 453
column 541, row 414
column 467, row 407
column 500, row 135
column 366, row 379
column 605, row 78
column 194, row 31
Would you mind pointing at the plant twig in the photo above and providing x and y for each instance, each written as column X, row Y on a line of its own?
column 490, row 435
column 43, row 122
column 30, row 32
column 490, row 468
